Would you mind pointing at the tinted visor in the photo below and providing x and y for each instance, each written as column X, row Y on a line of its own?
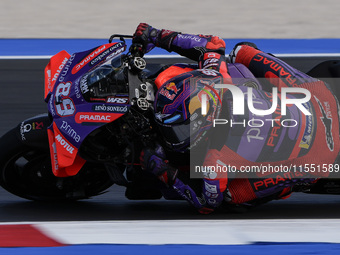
column 183, row 132
column 176, row 134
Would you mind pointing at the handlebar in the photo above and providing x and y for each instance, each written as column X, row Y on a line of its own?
column 121, row 37
column 136, row 49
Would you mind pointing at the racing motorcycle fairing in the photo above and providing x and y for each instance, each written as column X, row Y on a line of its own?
column 75, row 113
column 53, row 69
column 65, row 158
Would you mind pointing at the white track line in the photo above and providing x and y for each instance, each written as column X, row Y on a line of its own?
column 204, row 232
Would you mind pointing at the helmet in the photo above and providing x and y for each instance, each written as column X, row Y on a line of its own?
column 109, row 79
column 178, row 108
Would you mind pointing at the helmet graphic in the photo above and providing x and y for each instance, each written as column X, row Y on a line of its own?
column 185, row 107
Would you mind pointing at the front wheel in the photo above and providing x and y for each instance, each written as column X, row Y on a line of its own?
column 26, row 171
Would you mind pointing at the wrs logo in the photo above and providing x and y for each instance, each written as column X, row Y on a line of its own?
column 239, row 100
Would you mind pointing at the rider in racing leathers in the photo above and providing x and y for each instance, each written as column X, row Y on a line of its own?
column 313, row 140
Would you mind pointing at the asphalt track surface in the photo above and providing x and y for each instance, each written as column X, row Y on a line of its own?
column 21, row 96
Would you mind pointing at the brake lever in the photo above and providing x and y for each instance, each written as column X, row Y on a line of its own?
column 137, row 50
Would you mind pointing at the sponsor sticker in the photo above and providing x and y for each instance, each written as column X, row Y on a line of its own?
column 110, row 108
column 28, row 127
column 100, row 117
column 310, row 125
column 117, row 100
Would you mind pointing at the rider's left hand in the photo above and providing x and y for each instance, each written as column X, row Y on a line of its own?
column 153, row 160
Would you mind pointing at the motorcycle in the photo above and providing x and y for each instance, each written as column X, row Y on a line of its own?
column 91, row 136
column 99, row 119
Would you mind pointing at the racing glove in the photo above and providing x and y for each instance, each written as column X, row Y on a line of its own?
column 144, row 38
column 153, row 160
column 147, row 37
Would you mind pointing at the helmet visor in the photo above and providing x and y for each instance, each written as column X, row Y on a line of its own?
column 176, row 134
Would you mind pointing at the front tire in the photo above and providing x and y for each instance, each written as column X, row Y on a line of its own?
column 26, row 171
